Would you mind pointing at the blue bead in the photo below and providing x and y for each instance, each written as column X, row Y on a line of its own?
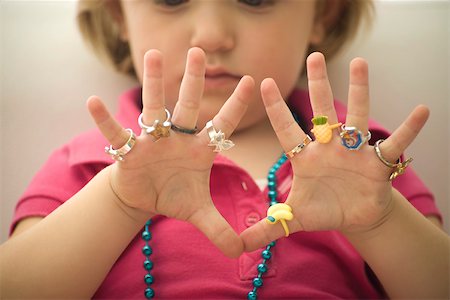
column 257, row 282
column 272, row 194
column 266, row 254
column 148, row 265
column 148, row 279
column 271, row 177
column 262, row 268
column 149, row 293
column 276, row 166
column 146, row 236
column 272, row 185
column 272, row 170
column 271, row 219
column 252, row 296
column 272, row 244
column 146, row 250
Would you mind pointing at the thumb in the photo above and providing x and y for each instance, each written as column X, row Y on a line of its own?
column 263, row 233
column 209, row 221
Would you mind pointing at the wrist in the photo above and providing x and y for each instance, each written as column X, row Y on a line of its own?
column 378, row 227
column 136, row 214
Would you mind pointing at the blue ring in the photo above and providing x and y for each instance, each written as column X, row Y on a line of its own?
column 352, row 138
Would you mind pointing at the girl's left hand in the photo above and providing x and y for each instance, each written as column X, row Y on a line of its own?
column 333, row 188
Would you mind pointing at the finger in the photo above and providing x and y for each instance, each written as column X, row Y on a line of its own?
column 358, row 95
column 287, row 130
column 209, row 221
column 109, row 127
column 262, row 233
column 234, row 108
column 319, row 87
column 153, row 88
column 404, row 135
column 185, row 113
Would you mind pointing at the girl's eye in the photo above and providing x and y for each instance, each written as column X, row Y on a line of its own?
column 256, row 3
column 170, row 2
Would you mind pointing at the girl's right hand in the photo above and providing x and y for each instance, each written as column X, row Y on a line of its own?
column 171, row 176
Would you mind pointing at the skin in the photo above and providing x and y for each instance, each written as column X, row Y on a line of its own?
column 171, row 176
column 216, row 27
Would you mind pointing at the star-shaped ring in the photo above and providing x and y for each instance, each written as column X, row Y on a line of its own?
column 158, row 129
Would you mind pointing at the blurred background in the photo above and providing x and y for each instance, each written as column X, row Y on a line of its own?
column 47, row 74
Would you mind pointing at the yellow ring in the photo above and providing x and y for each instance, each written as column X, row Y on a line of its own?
column 280, row 212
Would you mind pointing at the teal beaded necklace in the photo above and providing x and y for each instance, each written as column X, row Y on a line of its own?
column 266, row 254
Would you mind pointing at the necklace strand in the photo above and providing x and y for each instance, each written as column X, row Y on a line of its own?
column 266, row 254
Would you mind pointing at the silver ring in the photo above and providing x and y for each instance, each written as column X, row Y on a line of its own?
column 297, row 149
column 217, row 139
column 184, row 129
column 352, row 138
column 399, row 167
column 118, row 154
column 158, row 129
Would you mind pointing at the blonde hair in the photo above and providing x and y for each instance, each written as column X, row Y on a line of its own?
column 100, row 29
column 98, row 22
column 342, row 22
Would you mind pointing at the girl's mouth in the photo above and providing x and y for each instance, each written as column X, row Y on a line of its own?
column 219, row 78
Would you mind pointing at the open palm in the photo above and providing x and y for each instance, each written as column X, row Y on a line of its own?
column 333, row 188
column 170, row 176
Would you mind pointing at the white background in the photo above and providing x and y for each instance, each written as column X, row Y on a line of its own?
column 47, row 74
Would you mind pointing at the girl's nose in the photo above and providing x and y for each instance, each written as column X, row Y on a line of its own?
column 213, row 30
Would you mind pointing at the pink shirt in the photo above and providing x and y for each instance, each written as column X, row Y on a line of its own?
column 186, row 265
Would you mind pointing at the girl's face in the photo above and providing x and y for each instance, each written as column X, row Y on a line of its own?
column 260, row 38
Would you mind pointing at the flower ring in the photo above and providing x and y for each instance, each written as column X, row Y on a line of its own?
column 217, row 139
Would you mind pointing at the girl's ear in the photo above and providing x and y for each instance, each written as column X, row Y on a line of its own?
column 114, row 8
column 328, row 13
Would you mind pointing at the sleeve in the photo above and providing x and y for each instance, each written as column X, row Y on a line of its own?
column 412, row 187
column 53, row 184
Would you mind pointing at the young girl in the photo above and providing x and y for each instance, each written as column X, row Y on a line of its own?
column 156, row 219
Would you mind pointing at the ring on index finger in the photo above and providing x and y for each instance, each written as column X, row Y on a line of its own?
column 297, row 149
column 158, row 129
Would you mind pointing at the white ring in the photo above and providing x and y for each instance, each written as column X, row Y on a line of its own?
column 118, row 154
column 157, row 130
column 217, row 139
